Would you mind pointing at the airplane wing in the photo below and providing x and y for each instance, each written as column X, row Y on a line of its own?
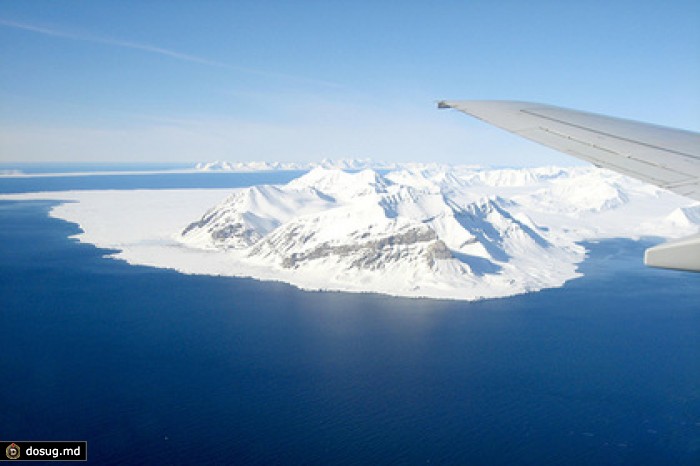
column 666, row 157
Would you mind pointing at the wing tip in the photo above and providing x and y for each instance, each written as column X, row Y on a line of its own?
column 680, row 254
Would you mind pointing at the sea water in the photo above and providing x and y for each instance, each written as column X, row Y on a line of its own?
column 154, row 367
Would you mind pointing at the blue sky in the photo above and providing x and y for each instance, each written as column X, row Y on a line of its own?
column 179, row 81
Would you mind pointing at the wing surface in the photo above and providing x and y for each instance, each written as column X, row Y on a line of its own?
column 666, row 157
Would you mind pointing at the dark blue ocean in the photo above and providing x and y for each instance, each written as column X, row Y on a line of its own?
column 144, row 181
column 155, row 367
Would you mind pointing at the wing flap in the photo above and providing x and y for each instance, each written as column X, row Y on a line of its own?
column 607, row 158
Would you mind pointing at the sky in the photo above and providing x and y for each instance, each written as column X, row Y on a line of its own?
column 185, row 81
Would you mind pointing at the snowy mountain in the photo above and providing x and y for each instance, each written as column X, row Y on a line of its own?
column 340, row 164
column 248, row 166
column 685, row 217
column 430, row 231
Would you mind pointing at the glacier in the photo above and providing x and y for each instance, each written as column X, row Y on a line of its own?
column 421, row 230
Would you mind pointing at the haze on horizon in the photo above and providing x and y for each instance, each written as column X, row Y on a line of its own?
column 185, row 82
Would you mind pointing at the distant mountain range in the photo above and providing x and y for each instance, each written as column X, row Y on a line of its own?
column 341, row 164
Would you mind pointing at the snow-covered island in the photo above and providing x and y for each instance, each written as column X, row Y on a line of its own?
column 421, row 231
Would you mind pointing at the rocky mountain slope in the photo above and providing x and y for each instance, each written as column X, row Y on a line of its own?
column 423, row 231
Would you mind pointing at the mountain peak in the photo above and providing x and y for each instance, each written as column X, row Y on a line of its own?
column 341, row 184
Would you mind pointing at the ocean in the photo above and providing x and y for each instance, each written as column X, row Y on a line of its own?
column 155, row 367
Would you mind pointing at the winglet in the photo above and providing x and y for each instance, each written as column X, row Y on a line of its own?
column 682, row 254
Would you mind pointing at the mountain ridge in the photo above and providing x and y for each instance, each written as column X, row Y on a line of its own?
column 418, row 229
